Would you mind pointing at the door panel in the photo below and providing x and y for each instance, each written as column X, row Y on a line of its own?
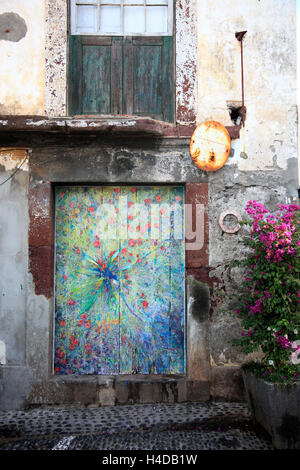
column 119, row 303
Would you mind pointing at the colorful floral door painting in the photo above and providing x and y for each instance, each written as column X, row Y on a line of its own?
column 120, row 285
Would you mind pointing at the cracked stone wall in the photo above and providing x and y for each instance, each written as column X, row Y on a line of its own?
column 267, row 188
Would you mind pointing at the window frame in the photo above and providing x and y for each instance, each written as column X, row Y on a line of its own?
column 99, row 3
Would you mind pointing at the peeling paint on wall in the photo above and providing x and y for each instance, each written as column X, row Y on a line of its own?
column 186, row 61
column 56, row 58
column 10, row 158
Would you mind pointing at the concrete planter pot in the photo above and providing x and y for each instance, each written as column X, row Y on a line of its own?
column 276, row 407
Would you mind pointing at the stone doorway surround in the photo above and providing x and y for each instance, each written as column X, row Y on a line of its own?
column 119, row 161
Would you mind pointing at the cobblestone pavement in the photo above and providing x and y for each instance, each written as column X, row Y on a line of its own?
column 184, row 426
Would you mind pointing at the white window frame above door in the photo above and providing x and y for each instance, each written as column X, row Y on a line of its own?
column 122, row 4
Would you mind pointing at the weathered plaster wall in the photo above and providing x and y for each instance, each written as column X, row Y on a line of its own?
column 22, row 74
column 269, row 75
column 14, row 374
column 267, row 170
column 230, row 189
column 268, row 174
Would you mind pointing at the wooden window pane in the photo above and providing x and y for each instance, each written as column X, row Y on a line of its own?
column 86, row 18
column 134, row 19
column 157, row 19
column 110, row 19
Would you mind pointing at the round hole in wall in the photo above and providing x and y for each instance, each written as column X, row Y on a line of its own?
column 229, row 221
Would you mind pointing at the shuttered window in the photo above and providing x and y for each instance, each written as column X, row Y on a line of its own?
column 124, row 73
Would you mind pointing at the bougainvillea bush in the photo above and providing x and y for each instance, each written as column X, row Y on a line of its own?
column 269, row 309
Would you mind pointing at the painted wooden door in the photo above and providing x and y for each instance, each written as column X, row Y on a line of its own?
column 120, row 288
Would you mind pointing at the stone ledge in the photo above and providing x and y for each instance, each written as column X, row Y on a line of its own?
column 114, row 391
column 103, row 379
column 115, row 125
column 227, row 383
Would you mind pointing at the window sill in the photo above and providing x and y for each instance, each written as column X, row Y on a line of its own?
column 113, row 125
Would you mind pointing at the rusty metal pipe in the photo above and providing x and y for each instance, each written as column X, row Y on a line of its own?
column 240, row 36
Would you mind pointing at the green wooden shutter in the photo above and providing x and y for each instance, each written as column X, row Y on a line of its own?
column 148, row 77
column 142, row 76
column 115, row 75
column 95, row 75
